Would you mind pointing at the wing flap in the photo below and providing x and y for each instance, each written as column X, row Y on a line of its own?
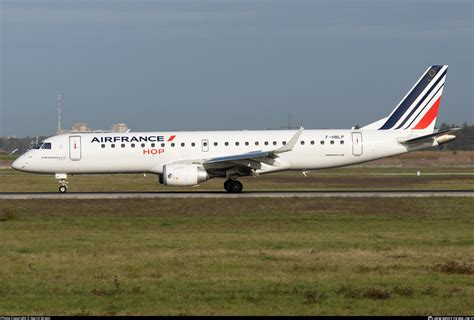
column 242, row 156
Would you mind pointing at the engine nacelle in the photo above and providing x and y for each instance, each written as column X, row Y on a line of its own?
column 182, row 174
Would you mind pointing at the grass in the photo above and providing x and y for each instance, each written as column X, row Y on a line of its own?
column 8, row 156
column 335, row 179
column 227, row 256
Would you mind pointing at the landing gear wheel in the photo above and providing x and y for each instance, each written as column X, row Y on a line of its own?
column 236, row 186
column 61, row 177
column 227, row 184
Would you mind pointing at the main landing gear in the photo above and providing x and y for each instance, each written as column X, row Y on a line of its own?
column 233, row 186
column 61, row 177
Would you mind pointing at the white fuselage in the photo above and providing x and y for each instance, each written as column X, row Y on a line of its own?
column 141, row 152
column 188, row 158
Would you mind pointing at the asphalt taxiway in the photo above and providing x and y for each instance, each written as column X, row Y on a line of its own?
column 225, row 195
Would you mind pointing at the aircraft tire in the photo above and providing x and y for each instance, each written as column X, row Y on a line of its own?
column 236, row 186
column 227, row 184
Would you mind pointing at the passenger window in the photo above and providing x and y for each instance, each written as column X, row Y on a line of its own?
column 274, row 143
column 123, row 145
column 152, row 145
column 112, row 145
column 182, row 144
column 284, row 142
column 322, row 142
column 193, row 144
column 332, row 141
column 312, row 141
column 236, row 143
column 204, row 144
column 172, row 144
column 102, row 146
column 302, row 142
column 256, row 143
column 226, row 144
column 133, row 145
column 163, row 145
column 46, row 145
column 266, row 143
column 143, row 145
column 342, row 141
column 215, row 144
column 246, row 143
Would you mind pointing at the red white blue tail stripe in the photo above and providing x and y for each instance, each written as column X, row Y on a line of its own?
column 419, row 108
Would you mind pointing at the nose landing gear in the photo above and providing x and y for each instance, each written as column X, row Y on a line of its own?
column 63, row 189
column 61, row 177
column 233, row 186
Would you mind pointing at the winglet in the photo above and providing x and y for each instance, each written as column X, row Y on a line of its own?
column 289, row 146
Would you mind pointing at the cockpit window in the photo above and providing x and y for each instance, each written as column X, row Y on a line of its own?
column 42, row 145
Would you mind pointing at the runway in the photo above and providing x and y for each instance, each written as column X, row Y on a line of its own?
column 225, row 195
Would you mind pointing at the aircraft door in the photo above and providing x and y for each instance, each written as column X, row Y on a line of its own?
column 357, row 143
column 205, row 145
column 75, row 148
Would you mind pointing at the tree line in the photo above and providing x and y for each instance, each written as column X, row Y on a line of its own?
column 17, row 145
column 464, row 137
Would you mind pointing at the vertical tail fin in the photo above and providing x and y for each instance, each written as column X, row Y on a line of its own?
column 419, row 108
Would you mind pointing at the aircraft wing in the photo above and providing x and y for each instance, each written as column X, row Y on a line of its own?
column 250, row 159
column 242, row 156
column 255, row 155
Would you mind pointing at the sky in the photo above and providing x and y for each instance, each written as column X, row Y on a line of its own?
column 170, row 65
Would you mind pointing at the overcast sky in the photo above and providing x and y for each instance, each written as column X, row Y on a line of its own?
column 216, row 64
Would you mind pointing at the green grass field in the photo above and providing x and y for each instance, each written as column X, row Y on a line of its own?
column 352, row 178
column 8, row 157
column 232, row 256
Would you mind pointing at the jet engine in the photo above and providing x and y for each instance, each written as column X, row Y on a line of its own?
column 183, row 174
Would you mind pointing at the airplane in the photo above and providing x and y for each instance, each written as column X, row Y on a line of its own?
column 190, row 158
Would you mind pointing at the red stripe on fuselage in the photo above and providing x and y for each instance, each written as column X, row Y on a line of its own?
column 429, row 116
column 171, row 138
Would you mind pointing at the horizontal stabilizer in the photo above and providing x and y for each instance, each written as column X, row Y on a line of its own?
column 430, row 136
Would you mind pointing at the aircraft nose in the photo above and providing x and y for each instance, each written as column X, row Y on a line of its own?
column 19, row 163
column 15, row 164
